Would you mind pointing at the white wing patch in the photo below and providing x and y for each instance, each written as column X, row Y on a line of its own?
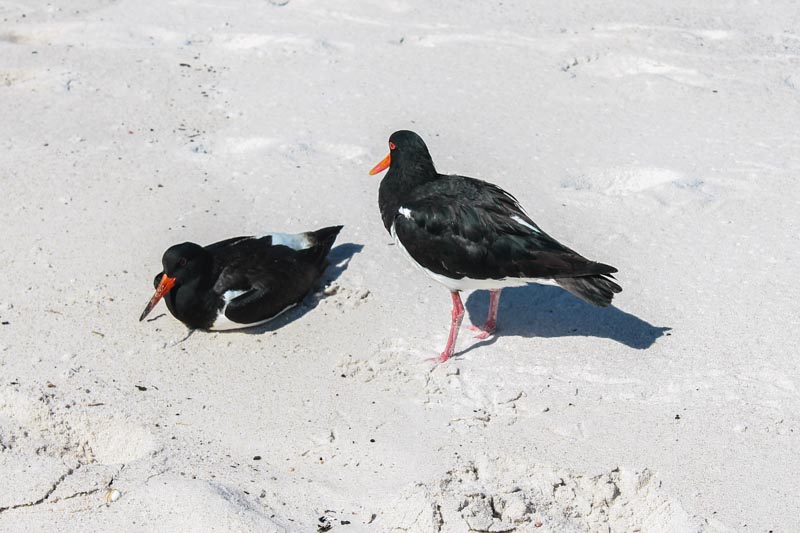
column 223, row 323
column 519, row 220
column 406, row 212
column 230, row 295
column 295, row 241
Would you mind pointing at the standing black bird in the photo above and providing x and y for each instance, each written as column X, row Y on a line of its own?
column 243, row 281
column 469, row 234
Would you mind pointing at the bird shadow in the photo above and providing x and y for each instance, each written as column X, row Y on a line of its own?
column 548, row 311
column 338, row 261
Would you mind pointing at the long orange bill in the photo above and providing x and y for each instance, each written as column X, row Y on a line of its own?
column 163, row 288
column 383, row 165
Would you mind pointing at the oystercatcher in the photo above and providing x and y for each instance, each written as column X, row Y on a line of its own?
column 470, row 234
column 240, row 282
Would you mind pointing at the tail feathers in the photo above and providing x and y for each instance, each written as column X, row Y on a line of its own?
column 325, row 237
column 598, row 290
column 322, row 241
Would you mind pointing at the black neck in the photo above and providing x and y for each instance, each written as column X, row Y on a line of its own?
column 403, row 177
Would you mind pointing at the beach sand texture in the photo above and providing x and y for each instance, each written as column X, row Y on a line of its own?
column 661, row 138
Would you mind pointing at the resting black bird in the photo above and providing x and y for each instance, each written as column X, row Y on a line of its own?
column 469, row 234
column 243, row 281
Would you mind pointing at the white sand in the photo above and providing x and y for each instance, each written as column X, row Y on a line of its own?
column 662, row 138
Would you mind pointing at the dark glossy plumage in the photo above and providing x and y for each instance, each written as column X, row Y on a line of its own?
column 243, row 281
column 463, row 228
column 470, row 234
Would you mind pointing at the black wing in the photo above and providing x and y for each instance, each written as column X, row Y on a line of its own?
column 461, row 226
column 218, row 247
column 272, row 278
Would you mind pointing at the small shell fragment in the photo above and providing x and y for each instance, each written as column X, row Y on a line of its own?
column 112, row 495
column 330, row 290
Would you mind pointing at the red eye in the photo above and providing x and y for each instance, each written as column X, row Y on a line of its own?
column 391, row 145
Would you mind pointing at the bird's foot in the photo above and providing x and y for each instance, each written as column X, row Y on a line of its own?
column 441, row 359
column 485, row 331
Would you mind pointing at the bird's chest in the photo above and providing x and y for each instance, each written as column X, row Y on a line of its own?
column 404, row 250
column 392, row 192
column 388, row 208
column 420, row 262
column 194, row 306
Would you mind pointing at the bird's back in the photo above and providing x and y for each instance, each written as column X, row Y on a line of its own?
column 255, row 262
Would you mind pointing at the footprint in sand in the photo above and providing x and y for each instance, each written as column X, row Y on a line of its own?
column 496, row 494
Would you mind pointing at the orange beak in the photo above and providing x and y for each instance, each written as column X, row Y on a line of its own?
column 383, row 165
column 163, row 288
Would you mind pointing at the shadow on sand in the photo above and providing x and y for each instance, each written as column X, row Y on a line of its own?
column 549, row 311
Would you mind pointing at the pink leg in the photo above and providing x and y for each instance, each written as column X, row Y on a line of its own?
column 455, row 323
column 491, row 320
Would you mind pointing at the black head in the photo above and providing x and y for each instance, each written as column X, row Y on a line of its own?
column 407, row 142
column 182, row 263
column 407, row 153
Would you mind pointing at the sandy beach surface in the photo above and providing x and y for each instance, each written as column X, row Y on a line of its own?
column 661, row 138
